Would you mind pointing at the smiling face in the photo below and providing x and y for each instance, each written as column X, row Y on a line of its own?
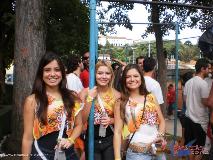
column 103, row 76
column 140, row 62
column 85, row 59
column 52, row 75
column 133, row 79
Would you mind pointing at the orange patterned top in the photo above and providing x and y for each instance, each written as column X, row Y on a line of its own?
column 54, row 119
column 109, row 101
column 136, row 109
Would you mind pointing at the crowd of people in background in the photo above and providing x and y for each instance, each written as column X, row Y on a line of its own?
column 128, row 119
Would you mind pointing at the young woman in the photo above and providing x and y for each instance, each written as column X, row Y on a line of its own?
column 44, row 110
column 106, row 99
column 145, row 122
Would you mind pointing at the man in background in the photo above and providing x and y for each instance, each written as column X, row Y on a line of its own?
column 196, row 93
column 152, row 85
column 84, row 76
column 74, row 68
column 139, row 61
column 170, row 98
column 209, row 78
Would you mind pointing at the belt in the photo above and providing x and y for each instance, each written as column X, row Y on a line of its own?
column 104, row 140
column 140, row 149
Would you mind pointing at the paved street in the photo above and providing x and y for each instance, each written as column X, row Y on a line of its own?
column 170, row 127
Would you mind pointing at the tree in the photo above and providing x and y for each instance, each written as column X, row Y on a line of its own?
column 189, row 52
column 162, row 20
column 67, row 26
column 188, row 43
column 29, row 48
column 6, row 39
column 67, row 32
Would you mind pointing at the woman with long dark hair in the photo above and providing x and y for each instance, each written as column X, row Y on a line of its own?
column 50, row 108
column 141, row 113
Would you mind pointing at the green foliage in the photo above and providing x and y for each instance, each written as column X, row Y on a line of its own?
column 119, row 16
column 7, row 23
column 67, row 26
column 187, row 51
column 168, row 14
column 7, row 97
column 185, row 16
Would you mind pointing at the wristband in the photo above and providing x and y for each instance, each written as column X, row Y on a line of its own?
column 89, row 99
column 160, row 134
column 71, row 140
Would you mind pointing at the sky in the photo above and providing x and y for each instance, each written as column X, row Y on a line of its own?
column 140, row 15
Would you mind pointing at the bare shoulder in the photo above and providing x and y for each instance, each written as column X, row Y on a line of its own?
column 30, row 102
column 116, row 94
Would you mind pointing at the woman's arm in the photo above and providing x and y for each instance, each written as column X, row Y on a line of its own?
column 27, row 140
column 162, row 123
column 118, row 125
column 119, row 61
column 78, row 126
column 68, row 142
column 88, row 103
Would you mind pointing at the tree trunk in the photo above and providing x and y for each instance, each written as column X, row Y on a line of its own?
column 162, row 69
column 29, row 48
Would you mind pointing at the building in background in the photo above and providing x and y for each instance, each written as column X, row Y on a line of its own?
column 114, row 40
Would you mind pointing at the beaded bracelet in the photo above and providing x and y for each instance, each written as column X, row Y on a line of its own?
column 89, row 99
column 160, row 134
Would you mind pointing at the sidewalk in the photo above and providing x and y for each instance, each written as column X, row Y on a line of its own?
column 170, row 127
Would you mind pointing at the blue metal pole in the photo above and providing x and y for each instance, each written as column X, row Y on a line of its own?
column 96, row 41
column 176, row 78
column 92, row 75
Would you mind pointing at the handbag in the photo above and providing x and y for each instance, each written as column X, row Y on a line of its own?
column 59, row 154
column 128, row 141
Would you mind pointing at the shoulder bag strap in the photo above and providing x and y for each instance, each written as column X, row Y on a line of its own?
column 103, row 109
column 101, row 104
column 62, row 126
column 135, row 125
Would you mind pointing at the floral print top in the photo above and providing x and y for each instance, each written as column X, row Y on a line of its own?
column 54, row 119
column 134, row 113
column 109, row 101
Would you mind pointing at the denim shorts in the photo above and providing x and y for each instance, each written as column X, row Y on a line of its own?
column 144, row 156
column 139, row 156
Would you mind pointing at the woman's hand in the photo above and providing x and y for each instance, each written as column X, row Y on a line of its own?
column 161, row 142
column 64, row 143
column 105, row 121
column 93, row 92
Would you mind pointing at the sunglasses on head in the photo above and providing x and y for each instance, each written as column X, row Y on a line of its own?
column 85, row 58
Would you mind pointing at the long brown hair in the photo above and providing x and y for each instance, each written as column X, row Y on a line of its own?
column 39, row 88
column 125, row 91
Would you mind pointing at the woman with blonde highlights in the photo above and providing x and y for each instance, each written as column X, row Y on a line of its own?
column 106, row 99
